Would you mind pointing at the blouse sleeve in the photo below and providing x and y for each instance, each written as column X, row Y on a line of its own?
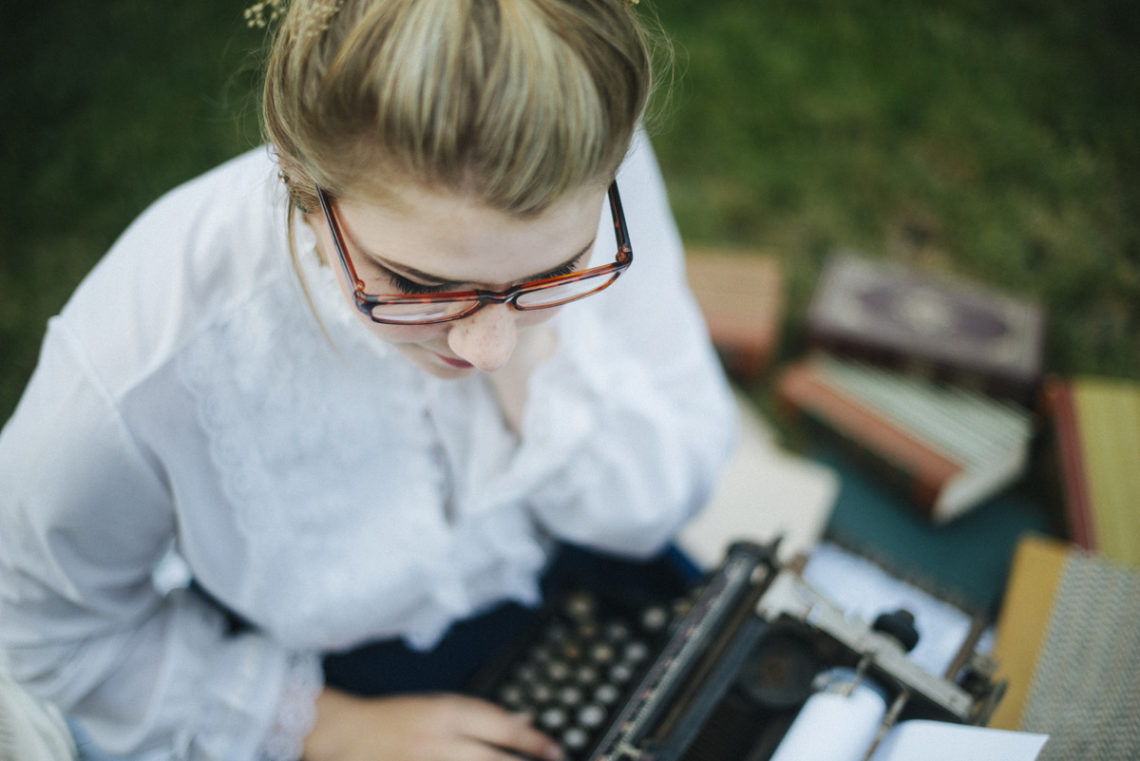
column 84, row 518
column 634, row 405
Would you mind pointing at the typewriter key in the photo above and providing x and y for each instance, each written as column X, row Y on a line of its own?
column 602, row 653
column 592, row 716
column 541, row 692
column 570, row 696
column 636, row 652
column 557, row 671
column 621, row 673
column 654, row 618
column 606, row 694
column 581, row 606
column 574, row 738
column 617, row 631
column 553, row 718
column 511, row 695
column 586, row 675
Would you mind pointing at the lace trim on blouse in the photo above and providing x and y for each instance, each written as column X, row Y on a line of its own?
column 296, row 711
column 339, row 485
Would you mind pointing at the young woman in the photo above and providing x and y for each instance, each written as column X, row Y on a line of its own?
column 360, row 386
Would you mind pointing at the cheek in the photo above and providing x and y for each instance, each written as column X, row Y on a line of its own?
column 536, row 316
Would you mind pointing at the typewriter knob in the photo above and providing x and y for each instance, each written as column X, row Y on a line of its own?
column 900, row 626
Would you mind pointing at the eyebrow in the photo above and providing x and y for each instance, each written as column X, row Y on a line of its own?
column 436, row 281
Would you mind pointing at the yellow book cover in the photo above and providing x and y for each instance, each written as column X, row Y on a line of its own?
column 1107, row 413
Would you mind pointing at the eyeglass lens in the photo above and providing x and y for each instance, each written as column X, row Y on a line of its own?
column 537, row 298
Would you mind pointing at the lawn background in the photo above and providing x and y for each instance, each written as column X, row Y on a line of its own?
column 997, row 141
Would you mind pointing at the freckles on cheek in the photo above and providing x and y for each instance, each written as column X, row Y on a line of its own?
column 400, row 334
column 537, row 316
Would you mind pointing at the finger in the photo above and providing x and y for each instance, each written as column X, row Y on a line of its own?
column 468, row 749
column 497, row 726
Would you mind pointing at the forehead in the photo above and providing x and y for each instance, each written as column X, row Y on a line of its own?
column 456, row 237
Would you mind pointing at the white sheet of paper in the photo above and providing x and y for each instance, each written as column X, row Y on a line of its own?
column 921, row 740
column 864, row 590
column 764, row 492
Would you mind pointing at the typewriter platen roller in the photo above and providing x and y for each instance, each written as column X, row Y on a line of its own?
column 722, row 674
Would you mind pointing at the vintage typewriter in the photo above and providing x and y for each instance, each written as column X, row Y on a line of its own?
column 719, row 674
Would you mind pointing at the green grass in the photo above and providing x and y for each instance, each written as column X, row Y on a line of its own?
column 998, row 141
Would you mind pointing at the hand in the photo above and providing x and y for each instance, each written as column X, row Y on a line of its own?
column 535, row 345
column 421, row 728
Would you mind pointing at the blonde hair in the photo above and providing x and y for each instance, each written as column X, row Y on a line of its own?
column 517, row 102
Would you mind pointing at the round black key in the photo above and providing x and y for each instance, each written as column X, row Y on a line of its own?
column 636, row 652
column 586, row 675
column 607, row 694
column 621, row 673
column 575, row 738
column 570, row 696
column 654, row 618
column 558, row 671
column 511, row 695
column 553, row 718
column 591, row 715
column 580, row 606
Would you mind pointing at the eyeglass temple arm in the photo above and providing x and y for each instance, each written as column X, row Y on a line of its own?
column 619, row 218
column 345, row 265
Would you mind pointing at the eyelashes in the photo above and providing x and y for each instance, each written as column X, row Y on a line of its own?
column 413, row 288
column 564, row 269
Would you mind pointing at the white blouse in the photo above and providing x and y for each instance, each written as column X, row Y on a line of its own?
column 194, row 401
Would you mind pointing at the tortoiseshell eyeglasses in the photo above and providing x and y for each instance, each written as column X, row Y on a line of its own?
column 428, row 309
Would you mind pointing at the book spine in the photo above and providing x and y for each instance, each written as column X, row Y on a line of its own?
column 925, row 471
column 1020, row 390
column 1067, row 437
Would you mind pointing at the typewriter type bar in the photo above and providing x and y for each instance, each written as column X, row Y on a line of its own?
column 789, row 597
column 676, row 694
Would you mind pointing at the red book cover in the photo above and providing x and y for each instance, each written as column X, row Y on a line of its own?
column 1066, row 434
column 925, row 470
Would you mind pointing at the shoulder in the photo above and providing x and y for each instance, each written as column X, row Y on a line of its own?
column 194, row 255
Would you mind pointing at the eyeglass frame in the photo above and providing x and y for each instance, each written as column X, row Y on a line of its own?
column 480, row 298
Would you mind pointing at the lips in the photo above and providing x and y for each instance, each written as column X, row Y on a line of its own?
column 454, row 361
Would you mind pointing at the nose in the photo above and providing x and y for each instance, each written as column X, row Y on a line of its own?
column 487, row 338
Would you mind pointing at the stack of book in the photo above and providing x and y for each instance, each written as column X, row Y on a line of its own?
column 1096, row 427
column 931, row 377
column 950, row 447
